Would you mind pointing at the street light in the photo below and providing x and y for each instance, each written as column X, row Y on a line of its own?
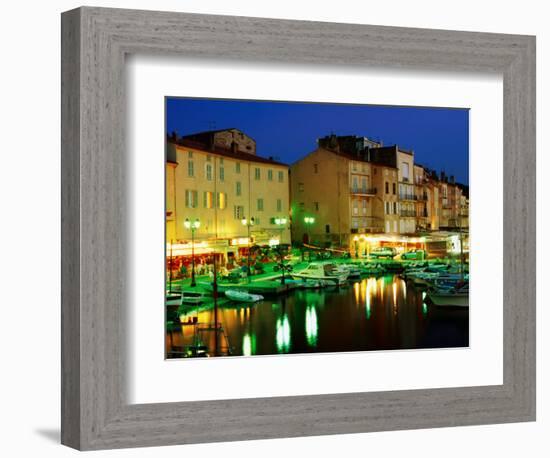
column 308, row 220
column 192, row 225
column 248, row 225
column 281, row 222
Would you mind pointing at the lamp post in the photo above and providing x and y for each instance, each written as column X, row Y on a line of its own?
column 308, row 221
column 248, row 225
column 192, row 225
column 281, row 222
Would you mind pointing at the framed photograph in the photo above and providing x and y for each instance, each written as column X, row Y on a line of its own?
column 251, row 206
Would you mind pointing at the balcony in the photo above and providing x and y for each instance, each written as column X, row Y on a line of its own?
column 363, row 191
column 367, row 224
column 407, row 197
column 407, row 213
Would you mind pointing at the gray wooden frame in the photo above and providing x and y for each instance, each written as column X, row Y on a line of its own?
column 95, row 41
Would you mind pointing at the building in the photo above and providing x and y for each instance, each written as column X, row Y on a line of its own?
column 216, row 177
column 353, row 186
column 345, row 195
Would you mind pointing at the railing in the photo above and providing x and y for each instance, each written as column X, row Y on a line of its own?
column 363, row 191
column 407, row 213
column 407, row 197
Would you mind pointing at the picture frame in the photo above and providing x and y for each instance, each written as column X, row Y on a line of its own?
column 95, row 410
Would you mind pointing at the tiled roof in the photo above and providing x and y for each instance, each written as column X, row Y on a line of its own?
column 184, row 142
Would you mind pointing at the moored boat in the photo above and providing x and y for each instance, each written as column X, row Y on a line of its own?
column 450, row 297
column 325, row 271
column 242, row 296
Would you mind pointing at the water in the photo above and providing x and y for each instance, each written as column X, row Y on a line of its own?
column 371, row 314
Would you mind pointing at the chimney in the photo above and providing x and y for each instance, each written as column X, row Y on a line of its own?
column 452, row 179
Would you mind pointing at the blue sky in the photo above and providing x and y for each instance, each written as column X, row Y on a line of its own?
column 289, row 130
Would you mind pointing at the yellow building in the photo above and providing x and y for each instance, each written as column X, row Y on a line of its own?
column 344, row 195
column 219, row 185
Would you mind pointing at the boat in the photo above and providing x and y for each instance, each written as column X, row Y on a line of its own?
column 325, row 271
column 173, row 299
column 450, row 297
column 242, row 296
column 354, row 270
column 314, row 284
column 192, row 298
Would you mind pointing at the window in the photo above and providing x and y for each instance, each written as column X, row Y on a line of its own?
column 393, row 188
column 209, row 172
column 355, row 184
column 302, row 206
column 395, row 208
column 257, row 221
column 327, row 228
column 190, row 169
column 260, row 205
column 190, row 154
column 238, row 212
column 405, row 171
column 300, row 187
column 279, row 205
column 364, row 206
column 238, row 190
column 387, row 188
column 316, row 205
column 355, row 223
column 238, row 167
column 270, row 175
column 222, row 174
column 256, row 173
column 207, row 200
column 315, row 168
column 281, row 177
column 221, row 199
column 354, row 166
column 364, row 184
column 191, row 198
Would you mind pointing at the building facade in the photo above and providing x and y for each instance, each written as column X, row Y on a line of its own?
column 354, row 185
column 220, row 184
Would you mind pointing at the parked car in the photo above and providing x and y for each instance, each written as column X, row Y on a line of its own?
column 414, row 255
column 384, row 252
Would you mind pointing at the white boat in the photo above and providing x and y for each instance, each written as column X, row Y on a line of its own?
column 173, row 298
column 192, row 298
column 325, row 271
column 454, row 297
column 314, row 284
column 354, row 271
column 242, row 296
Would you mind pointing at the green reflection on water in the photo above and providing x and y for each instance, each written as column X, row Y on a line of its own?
column 312, row 327
column 249, row 344
column 282, row 336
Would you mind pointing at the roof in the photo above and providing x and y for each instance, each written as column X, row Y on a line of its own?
column 350, row 157
column 215, row 131
column 184, row 142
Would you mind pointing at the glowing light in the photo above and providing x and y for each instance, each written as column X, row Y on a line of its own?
column 356, row 292
column 274, row 242
column 240, row 241
column 312, row 327
column 282, row 335
column 247, row 345
column 424, row 309
column 394, row 288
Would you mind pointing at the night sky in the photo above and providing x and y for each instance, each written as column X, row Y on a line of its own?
column 289, row 130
